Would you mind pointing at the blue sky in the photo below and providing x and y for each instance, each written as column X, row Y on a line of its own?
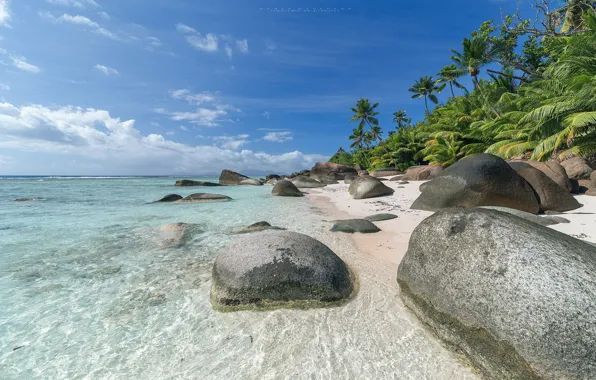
column 118, row 87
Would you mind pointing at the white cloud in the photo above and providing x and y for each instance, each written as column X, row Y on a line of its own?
column 209, row 111
column 231, row 142
column 198, row 99
column 4, row 87
column 104, row 15
column 242, row 45
column 266, row 114
column 74, row 3
column 182, row 28
column 82, row 21
column 117, row 147
column 106, row 70
column 208, row 43
column 279, row 137
column 182, row 127
column 229, row 51
column 154, row 41
column 4, row 13
column 21, row 63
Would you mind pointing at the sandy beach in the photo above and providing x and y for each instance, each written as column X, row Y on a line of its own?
column 391, row 243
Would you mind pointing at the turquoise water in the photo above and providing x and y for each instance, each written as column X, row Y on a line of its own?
column 87, row 287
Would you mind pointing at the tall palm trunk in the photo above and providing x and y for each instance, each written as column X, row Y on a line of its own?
column 451, row 87
column 426, row 104
column 489, row 104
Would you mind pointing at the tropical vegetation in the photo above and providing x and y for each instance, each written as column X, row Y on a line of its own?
column 533, row 95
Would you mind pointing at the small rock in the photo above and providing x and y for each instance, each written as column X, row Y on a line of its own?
column 204, row 198
column 380, row 217
column 259, row 226
column 188, row 182
column 355, row 225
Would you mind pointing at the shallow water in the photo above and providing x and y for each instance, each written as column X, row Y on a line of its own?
column 88, row 290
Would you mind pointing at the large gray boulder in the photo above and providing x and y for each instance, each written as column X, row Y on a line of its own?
column 188, row 182
column 368, row 187
column 251, row 182
column 204, row 198
column 228, row 177
column 278, row 268
column 515, row 298
column 329, row 172
column 577, row 168
column 551, row 196
column 286, row 188
column 351, row 226
column 303, row 182
column 478, row 180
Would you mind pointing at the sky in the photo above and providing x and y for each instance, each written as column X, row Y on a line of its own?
column 173, row 87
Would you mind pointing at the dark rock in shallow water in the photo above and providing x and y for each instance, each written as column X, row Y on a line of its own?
column 515, row 298
column 259, row 226
column 204, row 198
column 286, row 188
column 351, row 226
column 380, row 217
column 188, row 182
column 169, row 198
column 228, row 177
column 29, row 199
column 550, row 195
column 368, row 187
column 278, row 268
column 174, row 234
column 478, row 180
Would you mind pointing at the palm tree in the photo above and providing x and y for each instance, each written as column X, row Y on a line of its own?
column 475, row 55
column 449, row 74
column 359, row 139
column 425, row 88
column 365, row 112
column 401, row 118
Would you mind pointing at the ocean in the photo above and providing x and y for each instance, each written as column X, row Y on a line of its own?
column 88, row 291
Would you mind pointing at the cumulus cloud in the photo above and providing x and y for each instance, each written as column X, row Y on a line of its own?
column 208, row 43
column 278, row 137
column 209, row 111
column 231, row 142
column 106, row 70
column 118, row 147
column 4, row 14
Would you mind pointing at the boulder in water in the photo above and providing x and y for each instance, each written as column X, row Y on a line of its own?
column 174, row 234
column 204, row 198
column 351, row 226
column 478, row 180
column 259, row 226
column 368, row 187
column 515, row 298
column 188, row 182
column 278, row 268
column 251, row 182
column 169, row 198
column 229, row 177
column 550, row 195
column 285, row 188
column 303, row 182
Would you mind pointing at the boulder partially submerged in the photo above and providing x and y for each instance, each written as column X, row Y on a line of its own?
column 174, row 234
column 251, row 182
column 204, row 198
column 478, row 180
column 368, row 187
column 257, row 227
column 188, row 182
column 278, row 269
column 515, row 298
column 286, row 188
column 351, row 226
column 170, row 198
column 228, row 177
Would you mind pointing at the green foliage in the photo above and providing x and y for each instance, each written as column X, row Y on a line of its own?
column 539, row 101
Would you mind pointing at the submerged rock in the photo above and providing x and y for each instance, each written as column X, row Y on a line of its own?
column 169, row 198
column 28, row 199
column 380, row 217
column 550, row 195
column 368, row 187
column 303, row 182
column 188, row 182
column 286, row 188
column 478, row 180
column 351, row 226
column 228, row 177
column 515, row 298
column 259, row 226
column 204, row 198
column 278, row 268
column 174, row 234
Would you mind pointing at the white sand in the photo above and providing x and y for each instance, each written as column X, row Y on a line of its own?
column 391, row 243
